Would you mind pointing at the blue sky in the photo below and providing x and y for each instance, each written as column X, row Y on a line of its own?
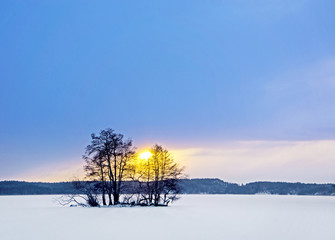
column 186, row 74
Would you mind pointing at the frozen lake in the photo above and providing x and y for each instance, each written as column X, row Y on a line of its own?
column 206, row 217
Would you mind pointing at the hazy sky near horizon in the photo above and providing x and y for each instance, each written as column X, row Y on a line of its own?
column 244, row 88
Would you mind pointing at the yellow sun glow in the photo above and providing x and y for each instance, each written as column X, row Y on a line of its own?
column 145, row 155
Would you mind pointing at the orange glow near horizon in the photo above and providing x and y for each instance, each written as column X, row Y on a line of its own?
column 233, row 161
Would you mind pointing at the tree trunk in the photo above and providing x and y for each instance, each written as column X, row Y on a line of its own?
column 103, row 197
column 116, row 198
column 110, row 199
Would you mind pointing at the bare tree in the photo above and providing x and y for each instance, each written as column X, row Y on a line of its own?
column 86, row 195
column 116, row 154
column 96, row 171
column 157, row 177
column 166, row 174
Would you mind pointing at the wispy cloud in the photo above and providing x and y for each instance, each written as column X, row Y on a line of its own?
column 69, row 171
column 320, row 75
column 303, row 101
column 266, row 9
column 305, row 161
column 234, row 161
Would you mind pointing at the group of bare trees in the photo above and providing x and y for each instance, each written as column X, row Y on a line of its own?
column 156, row 177
column 117, row 173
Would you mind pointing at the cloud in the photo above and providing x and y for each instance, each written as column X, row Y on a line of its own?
column 233, row 161
column 314, row 77
column 276, row 9
column 304, row 161
column 302, row 102
column 68, row 171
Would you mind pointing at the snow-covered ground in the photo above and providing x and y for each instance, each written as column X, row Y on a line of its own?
column 203, row 217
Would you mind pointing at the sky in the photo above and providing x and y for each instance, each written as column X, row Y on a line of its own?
column 238, row 90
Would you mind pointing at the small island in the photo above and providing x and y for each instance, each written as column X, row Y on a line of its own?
column 152, row 176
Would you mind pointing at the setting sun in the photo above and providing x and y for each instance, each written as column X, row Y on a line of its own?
column 145, row 155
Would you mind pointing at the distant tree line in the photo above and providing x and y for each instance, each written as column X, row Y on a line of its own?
column 110, row 161
column 186, row 186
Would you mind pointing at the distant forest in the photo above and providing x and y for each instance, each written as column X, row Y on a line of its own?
column 188, row 186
